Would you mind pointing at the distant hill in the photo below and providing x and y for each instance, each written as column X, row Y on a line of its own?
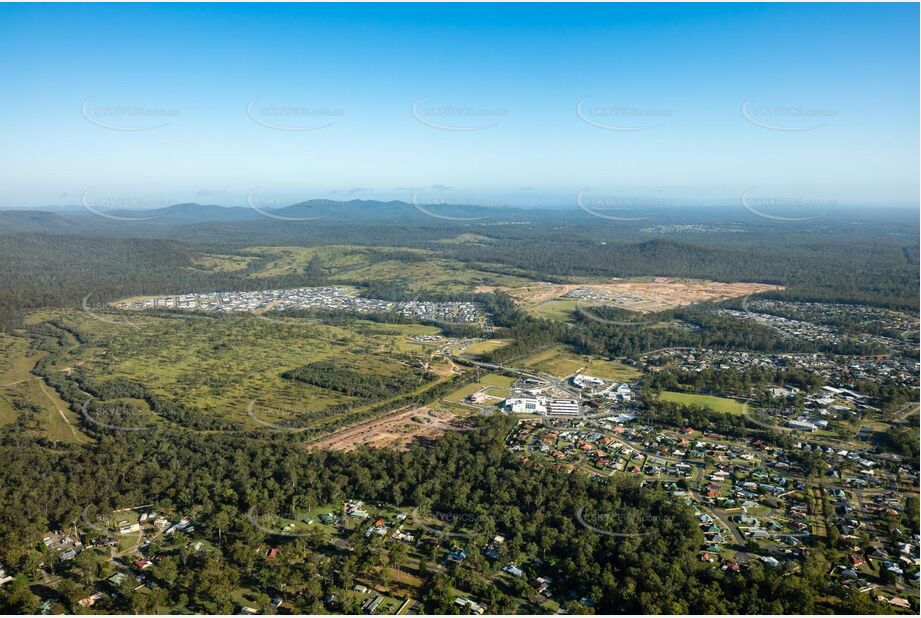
column 14, row 221
column 188, row 213
column 395, row 210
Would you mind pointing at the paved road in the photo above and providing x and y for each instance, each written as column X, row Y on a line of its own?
column 552, row 380
column 721, row 516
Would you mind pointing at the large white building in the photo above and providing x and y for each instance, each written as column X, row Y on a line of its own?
column 542, row 405
column 526, row 405
column 619, row 391
column 565, row 407
column 583, row 381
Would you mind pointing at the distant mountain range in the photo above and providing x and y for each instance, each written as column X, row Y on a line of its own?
column 52, row 217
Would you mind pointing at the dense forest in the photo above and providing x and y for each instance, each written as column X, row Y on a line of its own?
column 337, row 375
column 603, row 330
column 219, row 479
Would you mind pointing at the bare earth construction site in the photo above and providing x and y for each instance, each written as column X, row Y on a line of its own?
column 394, row 431
column 647, row 295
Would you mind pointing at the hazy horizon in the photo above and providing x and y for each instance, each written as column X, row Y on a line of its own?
column 544, row 202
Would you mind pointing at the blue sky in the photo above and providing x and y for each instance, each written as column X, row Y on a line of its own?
column 831, row 92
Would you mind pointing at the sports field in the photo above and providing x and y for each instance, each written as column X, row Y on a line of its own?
column 717, row 404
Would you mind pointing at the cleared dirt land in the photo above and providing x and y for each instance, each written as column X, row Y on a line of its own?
column 398, row 431
column 641, row 295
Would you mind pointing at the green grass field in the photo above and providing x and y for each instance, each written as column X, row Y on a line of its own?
column 15, row 359
column 556, row 361
column 47, row 413
column 59, row 422
column 7, row 412
column 462, row 392
column 485, row 346
column 491, row 382
column 718, row 404
column 559, row 310
column 15, row 364
column 494, row 379
column 609, row 370
column 14, row 368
